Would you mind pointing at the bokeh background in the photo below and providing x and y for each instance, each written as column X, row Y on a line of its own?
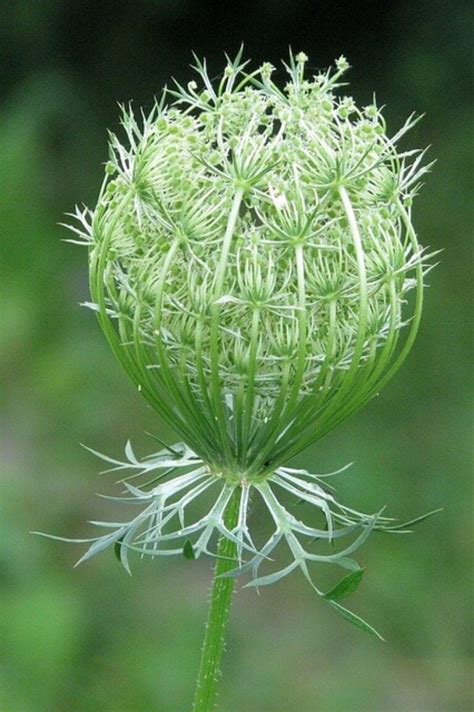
column 93, row 639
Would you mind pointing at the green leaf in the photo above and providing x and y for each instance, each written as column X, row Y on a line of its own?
column 188, row 551
column 117, row 550
column 346, row 586
column 357, row 621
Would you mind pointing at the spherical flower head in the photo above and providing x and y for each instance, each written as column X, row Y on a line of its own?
column 251, row 255
column 253, row 265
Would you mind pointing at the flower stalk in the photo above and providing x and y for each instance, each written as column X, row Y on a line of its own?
column 218, row 617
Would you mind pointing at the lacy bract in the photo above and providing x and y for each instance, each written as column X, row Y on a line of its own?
column 183, row 511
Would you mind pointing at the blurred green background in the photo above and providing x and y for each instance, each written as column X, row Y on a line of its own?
column 93, row 639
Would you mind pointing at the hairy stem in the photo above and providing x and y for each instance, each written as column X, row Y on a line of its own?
column 218, row 617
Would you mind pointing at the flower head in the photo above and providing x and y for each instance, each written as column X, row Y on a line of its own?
column 254, row 265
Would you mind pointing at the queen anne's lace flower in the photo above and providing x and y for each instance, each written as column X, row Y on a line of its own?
column 253, row 264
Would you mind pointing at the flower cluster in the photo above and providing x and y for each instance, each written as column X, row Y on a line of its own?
column 251, row 253
column 252, row 257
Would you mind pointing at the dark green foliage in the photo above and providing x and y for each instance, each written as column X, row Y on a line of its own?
column 188, row 551
column 346, row 586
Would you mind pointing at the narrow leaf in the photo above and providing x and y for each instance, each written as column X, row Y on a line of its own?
column 346, row 586
column 272, row 578
column 412, row 522
column 350, row 564
column 130, row 454
column 188, row 551
column 117, row 549
column 357, row 621
column 99, row 545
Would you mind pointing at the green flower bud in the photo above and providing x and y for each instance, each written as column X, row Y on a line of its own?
column 253, row 265
column 288, row 251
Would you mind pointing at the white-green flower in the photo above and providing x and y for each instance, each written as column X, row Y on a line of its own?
column 255, row 270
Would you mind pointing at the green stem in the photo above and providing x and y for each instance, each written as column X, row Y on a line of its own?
column 218, row 617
